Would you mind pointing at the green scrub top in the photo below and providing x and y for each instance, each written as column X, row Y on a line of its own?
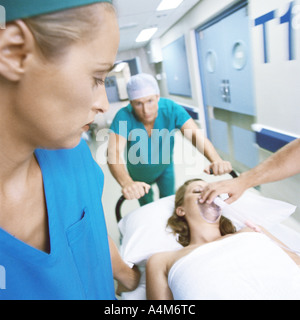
column 148, row 157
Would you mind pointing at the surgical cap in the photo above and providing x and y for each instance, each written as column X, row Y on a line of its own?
column 142, row 85
column 22, row 9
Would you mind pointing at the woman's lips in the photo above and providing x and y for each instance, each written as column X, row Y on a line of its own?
column 87, row 126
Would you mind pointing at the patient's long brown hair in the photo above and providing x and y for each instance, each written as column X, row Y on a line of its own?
column 180, row 226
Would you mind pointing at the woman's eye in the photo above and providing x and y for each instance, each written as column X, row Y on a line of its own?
column 197, row 191
column 99, row 82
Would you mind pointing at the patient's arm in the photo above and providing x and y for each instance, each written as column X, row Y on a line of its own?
column 157, row 278
column 128, row 278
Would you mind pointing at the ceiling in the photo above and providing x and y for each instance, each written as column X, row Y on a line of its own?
column 136, row 15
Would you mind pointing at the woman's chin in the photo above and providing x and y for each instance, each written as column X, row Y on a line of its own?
column 64, row 144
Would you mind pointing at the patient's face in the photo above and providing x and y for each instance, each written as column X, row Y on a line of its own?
column 193, row 209
column 192, row 195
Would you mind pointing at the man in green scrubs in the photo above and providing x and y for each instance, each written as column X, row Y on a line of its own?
column 145, row 129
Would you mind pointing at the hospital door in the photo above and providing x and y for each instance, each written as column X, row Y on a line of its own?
column 226, row 74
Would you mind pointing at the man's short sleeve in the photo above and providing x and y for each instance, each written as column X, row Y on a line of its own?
column 181, row 115
column 121, row 123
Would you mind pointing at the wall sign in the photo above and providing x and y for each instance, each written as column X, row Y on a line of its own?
column 291, row 18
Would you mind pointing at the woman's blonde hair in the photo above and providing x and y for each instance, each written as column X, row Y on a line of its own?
column 180, row 226
column 55, row 32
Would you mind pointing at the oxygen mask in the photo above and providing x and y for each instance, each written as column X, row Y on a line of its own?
column 210, row 212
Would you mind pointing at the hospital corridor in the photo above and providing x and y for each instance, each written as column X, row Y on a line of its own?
column 222, row 62
column 247, row 117
column 184, row 170
column 150, row 151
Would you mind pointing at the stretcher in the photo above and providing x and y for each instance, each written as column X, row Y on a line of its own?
column 144, row 232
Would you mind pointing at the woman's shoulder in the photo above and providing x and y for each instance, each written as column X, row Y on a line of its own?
column 165, row 260
column 160, row 258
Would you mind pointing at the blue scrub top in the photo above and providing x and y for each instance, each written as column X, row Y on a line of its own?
column 148, row 157
column 78, row 266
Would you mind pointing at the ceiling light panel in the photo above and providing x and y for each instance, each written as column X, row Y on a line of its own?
column 146, row 34
column 169, row 5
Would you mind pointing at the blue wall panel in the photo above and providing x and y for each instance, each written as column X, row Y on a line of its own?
column 176, row 67
column 245, row 149
column 219, row 135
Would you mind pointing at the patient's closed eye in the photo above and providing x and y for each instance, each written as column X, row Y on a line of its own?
column 197, row 191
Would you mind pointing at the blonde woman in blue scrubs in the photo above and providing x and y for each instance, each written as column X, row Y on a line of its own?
column 54, row 57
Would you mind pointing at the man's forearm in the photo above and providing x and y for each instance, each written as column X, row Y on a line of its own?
column 210, row 152
column 128, row 277
column 191, row 131
column 283, row 164
column 120, row 173
column 115, row 160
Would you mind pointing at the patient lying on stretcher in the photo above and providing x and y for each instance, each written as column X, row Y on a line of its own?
column 217, row 262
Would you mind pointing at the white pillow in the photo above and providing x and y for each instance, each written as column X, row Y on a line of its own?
column 144, row 230
column 262, row 211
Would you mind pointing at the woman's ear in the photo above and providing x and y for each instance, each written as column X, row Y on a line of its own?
column 16, row 43
column 180, row 212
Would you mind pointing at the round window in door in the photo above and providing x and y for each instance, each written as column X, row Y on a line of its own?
column 239, row 56
column 211, row 61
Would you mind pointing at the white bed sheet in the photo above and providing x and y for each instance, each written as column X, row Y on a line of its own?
column 246, row 266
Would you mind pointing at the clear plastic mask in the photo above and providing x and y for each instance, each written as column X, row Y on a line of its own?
column 210, row 212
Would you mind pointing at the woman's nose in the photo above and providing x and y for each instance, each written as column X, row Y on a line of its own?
column 101, row 104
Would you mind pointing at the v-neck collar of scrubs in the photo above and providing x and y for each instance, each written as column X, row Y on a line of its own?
column 142, row 124
column 23, row 250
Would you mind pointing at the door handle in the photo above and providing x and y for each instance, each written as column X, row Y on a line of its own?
column 225, row 91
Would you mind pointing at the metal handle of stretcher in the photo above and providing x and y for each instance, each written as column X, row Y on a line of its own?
column 122, row 199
